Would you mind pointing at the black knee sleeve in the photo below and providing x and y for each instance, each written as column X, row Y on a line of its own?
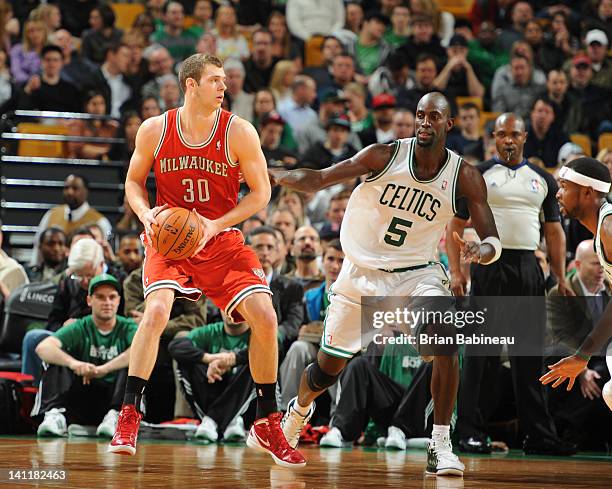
column 317, row 379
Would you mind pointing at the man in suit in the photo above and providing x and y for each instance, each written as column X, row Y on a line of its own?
column 581, row 414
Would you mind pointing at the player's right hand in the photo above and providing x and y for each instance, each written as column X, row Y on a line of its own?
column 148, row 220
column 275, row 175
column 458, row 284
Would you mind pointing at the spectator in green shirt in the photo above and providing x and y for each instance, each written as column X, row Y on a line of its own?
column 86, row 365
column 370, row 49
column 180, row 42
column 399, row 30
column 485, row 54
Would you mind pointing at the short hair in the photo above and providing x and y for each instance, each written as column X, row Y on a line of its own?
column 261, row 30
column 470, row 106
column 167, row 5
column 194, row 66
column 129, row 235
column 544, row 99
column 83, row 178
column 421, row 58
column 107, row 14
column 520, row 56
column 50, row 48
column 234, row 64
column 82, row 231
column 85, row 252
column 590, row 167
column 261, row 230
column 327, row 38
column 335, row 244
column 301, row 81
column 50, row 231
column 342, row 195
column 113, row 47
column 396, row 61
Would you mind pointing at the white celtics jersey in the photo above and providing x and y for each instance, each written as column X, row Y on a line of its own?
column 604, row 211
column 393, row 220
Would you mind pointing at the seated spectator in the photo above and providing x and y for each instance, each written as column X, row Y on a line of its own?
column 288, row 294
column 110, row 80
column 26, row 55
column 485, row 54
column 422, row 41
column 130, row 123
column 137, row 73
column 73, row 214
column 178, row 41
column 467, row 139
column 403, row 124
column 85, row 261
column 303, row 351
column 342, row 73
column 207, row 44
column 149, row 107
column 425, row 75
column 282, row 78
column 297, row 111
column 12, row 274
column 330, row 48
column 202, row 17
column 76, row 70
column 383, row 108
column 160, row 64
column 334, row 215
column 597, row 44
column 264, row 103
column 307, row 18
column 521, row 13
column 546, row 55
column 284, row 45
column 295, row 202
column 556, row 91
column 48, row 91
column 260, row 64
column 560, row 34
column 369, row 48
column 242, row 102
column 102, row 34
column 130, row 252
column 516, row 94
column 306, row 250
column 87, row 364
column 359, row 115
column 230, row 43
column 443, row 22
column 215, row 377
column 393, row 78
column 334, row 149
column 544, row 137
column 169, row 92
column 144, row 24
column 53, row 251
column 458, row 78
column 271, row 131
column 285, row 221
column 399, row 30
column 50, row 14
column 96, row 105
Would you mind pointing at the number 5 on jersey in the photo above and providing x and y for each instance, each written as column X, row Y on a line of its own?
column 201, row 187
column 396, row 234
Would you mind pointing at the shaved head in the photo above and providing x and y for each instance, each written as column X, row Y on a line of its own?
column 585, row 250
column 432, row 121
column 438, row 100
column 510, row 137
column 510, row 118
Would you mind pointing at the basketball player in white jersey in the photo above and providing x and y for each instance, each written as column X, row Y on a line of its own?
column 584, row 184
column 390, row 232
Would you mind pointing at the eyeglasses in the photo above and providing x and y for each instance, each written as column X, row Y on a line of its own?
column 80, row 279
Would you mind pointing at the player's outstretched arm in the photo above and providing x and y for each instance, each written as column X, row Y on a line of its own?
column 369, row 160
column 473, row 188
column 147, row 139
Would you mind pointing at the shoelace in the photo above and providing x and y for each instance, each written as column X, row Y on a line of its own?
column 126, row 420
column 445, row 450
column 296, row 426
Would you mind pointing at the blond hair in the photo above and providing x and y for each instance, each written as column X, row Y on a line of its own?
column 278, row 76
column 25, row 41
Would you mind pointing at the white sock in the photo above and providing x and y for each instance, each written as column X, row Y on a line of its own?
column 303, row 411
column 440, row 432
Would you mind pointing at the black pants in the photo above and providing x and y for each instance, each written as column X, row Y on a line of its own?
column 223, row 400
column 368, row 393
column 516, row 273
column 84, row 404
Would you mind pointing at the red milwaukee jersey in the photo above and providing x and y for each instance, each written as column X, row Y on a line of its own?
column 201, row 176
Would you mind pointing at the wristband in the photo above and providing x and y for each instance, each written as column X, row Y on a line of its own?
column 497, row 246
column 582, row 356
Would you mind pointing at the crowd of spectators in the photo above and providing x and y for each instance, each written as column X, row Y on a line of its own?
column 319, row 80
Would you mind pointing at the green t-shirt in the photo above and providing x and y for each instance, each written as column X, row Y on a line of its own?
column 400, row 363
column 363, row 124
column 180, row 47
column 86, row 343
column 212, row 338
column 394, row 39
column 368, row 57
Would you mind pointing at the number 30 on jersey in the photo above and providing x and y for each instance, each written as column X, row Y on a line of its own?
column 197, row 189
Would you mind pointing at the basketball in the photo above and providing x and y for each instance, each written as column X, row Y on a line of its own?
column 177, row 234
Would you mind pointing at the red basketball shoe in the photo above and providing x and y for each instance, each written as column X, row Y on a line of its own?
column 126, row 434
column 267, row 436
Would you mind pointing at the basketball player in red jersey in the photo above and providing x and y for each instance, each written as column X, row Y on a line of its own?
column 197, row 153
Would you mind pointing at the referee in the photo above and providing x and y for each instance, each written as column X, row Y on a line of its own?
column 518, row 194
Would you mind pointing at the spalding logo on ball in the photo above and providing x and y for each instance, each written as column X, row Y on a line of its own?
column 178, row 233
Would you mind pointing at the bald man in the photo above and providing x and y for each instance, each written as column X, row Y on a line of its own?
column 391, row 228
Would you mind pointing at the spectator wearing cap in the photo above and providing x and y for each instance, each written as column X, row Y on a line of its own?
column 242, row 102
column 544, row 137
column 370, row 49
column 597, row 49
column 305, row 18
column 297, row 110
column 270, row 134
column 556, row 90
column 86, row 366
column 399, row 30
column 260, row 64
column 458, row 78
column 601, row 18
column 383, row 107
column 334, row 149
column 179, row 42
column 330, row 48
column 485, row 54
column 517, row 95
column 422, row 40
column 591, row 104
column 48, row 91
column 521, row 13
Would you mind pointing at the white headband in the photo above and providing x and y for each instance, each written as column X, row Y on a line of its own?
column 573, row 176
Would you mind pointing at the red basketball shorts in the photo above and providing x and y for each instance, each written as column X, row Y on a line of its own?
column 226, row 271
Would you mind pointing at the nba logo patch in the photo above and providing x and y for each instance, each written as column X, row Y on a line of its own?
column 535, row 186
column 218, row 145
column 444, row 184
column 260, row 274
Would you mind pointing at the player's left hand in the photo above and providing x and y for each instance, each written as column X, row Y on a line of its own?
column 565, row 369
column 210, row 230
column 470, row 250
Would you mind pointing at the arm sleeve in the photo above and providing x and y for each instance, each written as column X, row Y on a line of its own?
column 184, row 351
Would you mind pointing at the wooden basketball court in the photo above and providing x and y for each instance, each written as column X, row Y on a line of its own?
column 180, row 465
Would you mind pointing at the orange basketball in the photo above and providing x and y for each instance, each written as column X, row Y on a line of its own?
column 178, row 233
